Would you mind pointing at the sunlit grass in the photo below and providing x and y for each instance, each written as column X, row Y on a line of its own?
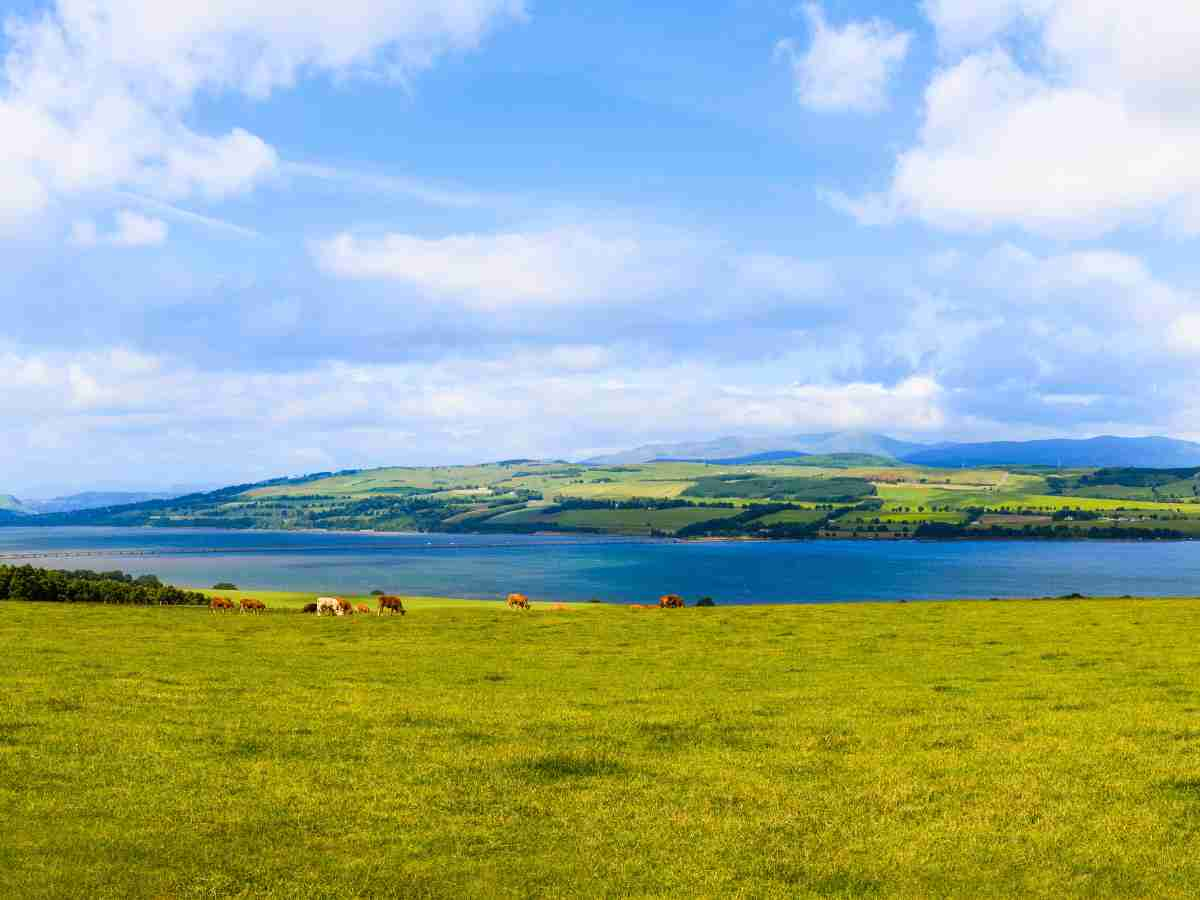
column 927, row 749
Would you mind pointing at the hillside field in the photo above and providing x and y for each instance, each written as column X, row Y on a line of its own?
column 688, row 499
column 1031, row 748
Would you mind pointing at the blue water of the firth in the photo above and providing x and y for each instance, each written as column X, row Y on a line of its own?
column 616, row 569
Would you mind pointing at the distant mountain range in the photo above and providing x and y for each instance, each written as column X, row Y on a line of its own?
column 1147, row 452
column 830, row 449
column 75, row 502
column 730, row 448
column 1142, row 453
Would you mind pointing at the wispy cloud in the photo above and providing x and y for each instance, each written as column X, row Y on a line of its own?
column 130, row 229
column 423, row 191
column 187, row 215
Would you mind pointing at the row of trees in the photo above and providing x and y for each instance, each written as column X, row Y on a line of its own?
column 648, row 503
column 85, row 586
column 1114, row 532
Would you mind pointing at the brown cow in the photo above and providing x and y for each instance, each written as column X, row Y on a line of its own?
column 249, row 604
column 362, row 609
column 670, row 601
column 345, row 607
column 221, row 604
column 518, row 601
column 391, row 604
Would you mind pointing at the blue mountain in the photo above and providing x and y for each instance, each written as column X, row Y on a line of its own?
column 1145, row 453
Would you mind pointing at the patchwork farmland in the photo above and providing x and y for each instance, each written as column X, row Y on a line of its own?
column 797, row 499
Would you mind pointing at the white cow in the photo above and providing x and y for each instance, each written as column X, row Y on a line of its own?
column 328, row 603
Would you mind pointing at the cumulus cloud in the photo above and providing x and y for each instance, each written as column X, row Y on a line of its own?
column 147, row 412
column 847, row 68
column 547, row 267
column 96, row 92
column 582, row 269
column 1004, row 342
column 962, row 26
column 1019, row 337
column 1063, row 117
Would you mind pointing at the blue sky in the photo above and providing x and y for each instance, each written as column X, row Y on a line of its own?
column 241, row 243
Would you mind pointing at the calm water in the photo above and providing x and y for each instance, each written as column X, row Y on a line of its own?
column 573, row 568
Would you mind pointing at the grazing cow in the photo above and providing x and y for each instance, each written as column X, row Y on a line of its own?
column 328, row 603
column 391, row 604
column 345, row 607
column 220, row 604
column 249, row 604
column 309, row 608
column 362, row 609
column 518, row 601
column 670, row 601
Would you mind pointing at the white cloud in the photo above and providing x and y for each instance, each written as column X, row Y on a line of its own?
column 962, row 26
column 130, row 229
column 912, row 405
column 1183, row 333
column 961, row 344
column 1094, row 128
column 142, row 413
column 667, row 273
column 578, row 357
column 374, row 183
column 136, row 230
column 846, row 68
column 96, row 92
column 187, row 215
column 869, row 209
column 551, row 267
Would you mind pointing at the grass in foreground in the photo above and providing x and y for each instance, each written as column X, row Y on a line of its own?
column 940, row 749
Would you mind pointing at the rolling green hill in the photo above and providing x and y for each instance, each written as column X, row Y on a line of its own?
column 690, row 499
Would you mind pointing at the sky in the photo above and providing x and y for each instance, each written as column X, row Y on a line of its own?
column 239, row 243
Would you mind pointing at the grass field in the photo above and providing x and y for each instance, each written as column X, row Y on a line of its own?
column 641, row 521
column 1003, row 749
column 296, row 600
column 513, row 495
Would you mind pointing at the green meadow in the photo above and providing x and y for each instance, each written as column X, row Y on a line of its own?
column 856, row 497
column 970, row 749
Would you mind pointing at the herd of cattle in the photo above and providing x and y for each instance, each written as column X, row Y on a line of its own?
column 247, row 604
column 336, row 606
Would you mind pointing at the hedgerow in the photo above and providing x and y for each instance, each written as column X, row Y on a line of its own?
column 85, row 586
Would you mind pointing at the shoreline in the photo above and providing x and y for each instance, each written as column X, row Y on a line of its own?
column 575, row 537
